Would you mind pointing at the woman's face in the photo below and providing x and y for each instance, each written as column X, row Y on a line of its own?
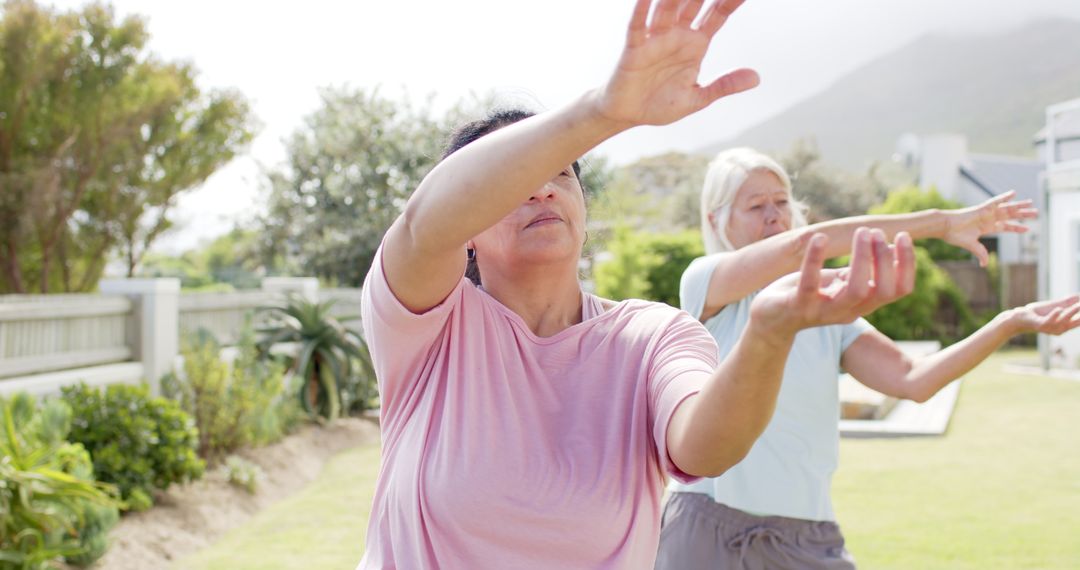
column 761, row 209
column 549, row 226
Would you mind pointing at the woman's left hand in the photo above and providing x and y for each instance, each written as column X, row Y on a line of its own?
column 1048, row 317
column 656, row 80
column 998, row 214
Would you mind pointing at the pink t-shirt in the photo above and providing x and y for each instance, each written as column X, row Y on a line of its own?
column 506, row 450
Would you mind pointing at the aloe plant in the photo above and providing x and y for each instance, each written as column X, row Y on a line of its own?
column 332, row 359
column 47, row 494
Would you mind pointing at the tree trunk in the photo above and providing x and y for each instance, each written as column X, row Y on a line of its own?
column 11, row 268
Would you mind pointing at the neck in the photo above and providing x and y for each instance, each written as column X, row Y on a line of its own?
column 546, row 296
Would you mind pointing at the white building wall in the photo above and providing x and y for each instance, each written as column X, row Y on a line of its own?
column 1064, row 274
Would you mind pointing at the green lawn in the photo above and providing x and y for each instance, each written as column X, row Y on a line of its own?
column 1000, row 490
column 322, row 527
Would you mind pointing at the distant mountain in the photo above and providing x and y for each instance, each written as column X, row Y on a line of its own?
column 992, row 88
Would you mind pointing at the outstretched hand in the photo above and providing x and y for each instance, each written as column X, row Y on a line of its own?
column 879, row 274
column 998, row 214
column 1049, row 317
column 656, row 80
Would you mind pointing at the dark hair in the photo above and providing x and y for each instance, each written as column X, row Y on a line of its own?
column 473, row 130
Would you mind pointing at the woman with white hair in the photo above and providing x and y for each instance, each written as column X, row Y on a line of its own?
column 773, row 509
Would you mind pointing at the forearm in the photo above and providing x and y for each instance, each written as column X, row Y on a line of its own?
column 478, row 185
column 758, row 264
column 932, row 373
column 924, row 224
column 735, row 405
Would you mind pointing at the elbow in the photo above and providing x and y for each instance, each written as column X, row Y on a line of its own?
column 918, row 396
column 713, row 463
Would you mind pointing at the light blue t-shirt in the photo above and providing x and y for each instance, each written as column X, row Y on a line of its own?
column 788, row 472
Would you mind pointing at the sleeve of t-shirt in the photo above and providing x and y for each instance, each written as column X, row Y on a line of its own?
column 684, row 359
column 850, row 332
column 399, row 339
column 694, row 284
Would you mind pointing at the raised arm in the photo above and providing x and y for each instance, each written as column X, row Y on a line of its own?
column 654, row 83
column 876, row 361
column 741, row 272
column 716, row 428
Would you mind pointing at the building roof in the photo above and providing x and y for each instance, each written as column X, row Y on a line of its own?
column 996, row 175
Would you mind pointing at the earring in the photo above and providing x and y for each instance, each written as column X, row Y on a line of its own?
column 470, row 254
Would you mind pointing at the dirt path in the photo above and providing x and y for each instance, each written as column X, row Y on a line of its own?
column 190, row 517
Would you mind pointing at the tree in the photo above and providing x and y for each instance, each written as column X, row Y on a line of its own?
column 97, row 139
column 349, row 170
column 659, row 193
column 646, row 265
column 830, row 193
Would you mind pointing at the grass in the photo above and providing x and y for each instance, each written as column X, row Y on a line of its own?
column 321, row 527
column 1000, row 490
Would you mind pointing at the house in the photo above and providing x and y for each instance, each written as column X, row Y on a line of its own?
column 943, row 162
column 1059, row 266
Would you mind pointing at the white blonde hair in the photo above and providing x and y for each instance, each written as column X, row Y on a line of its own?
column 727, row 173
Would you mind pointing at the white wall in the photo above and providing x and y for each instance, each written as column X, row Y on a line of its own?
column 1064, row 268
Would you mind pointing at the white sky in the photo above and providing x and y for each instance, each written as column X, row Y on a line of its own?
column 278, row 53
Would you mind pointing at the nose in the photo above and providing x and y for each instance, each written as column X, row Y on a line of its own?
column 772, row 213
column 545, row 192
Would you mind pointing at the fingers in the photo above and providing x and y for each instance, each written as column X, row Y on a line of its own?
column 664, row 15
column 638, row 30
column 905, row 263
column 689, row 12
column 980, row 252
column 813, row 261
column 884, row 267
column 718, row 14
column 734, row 82
column 862, row 264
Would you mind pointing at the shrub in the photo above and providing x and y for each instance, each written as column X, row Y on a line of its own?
column 332, row 360
column 138, row 442
column 232, row 406
column 646, row 266
column 50, row 505
column 917, row 315
column 243, row 473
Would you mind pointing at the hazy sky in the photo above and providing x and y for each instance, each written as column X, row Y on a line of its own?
column 543, row 53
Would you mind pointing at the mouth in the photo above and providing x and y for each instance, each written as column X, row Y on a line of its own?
column 544, row 218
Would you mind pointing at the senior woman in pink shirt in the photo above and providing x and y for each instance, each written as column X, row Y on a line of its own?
column 526, row 423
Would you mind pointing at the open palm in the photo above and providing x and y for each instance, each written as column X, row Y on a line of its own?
column 879, row 274
column 656, row 80
column 998, row 214
column 1050, row 317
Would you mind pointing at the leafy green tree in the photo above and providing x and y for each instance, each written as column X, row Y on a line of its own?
column 231, row 261
column 349, row 170
column 97, row 139
column 646, row 265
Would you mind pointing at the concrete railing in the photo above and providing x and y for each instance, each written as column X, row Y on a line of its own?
column 43, row 333
column 130, row 332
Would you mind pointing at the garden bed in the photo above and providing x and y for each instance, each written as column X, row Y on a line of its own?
column 189, row 517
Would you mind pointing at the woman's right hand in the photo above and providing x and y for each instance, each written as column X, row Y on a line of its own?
column 656, row 80
column 879, row 274
column 965, row 226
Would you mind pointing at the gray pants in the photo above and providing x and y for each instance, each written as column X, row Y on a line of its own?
column 698, row 533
